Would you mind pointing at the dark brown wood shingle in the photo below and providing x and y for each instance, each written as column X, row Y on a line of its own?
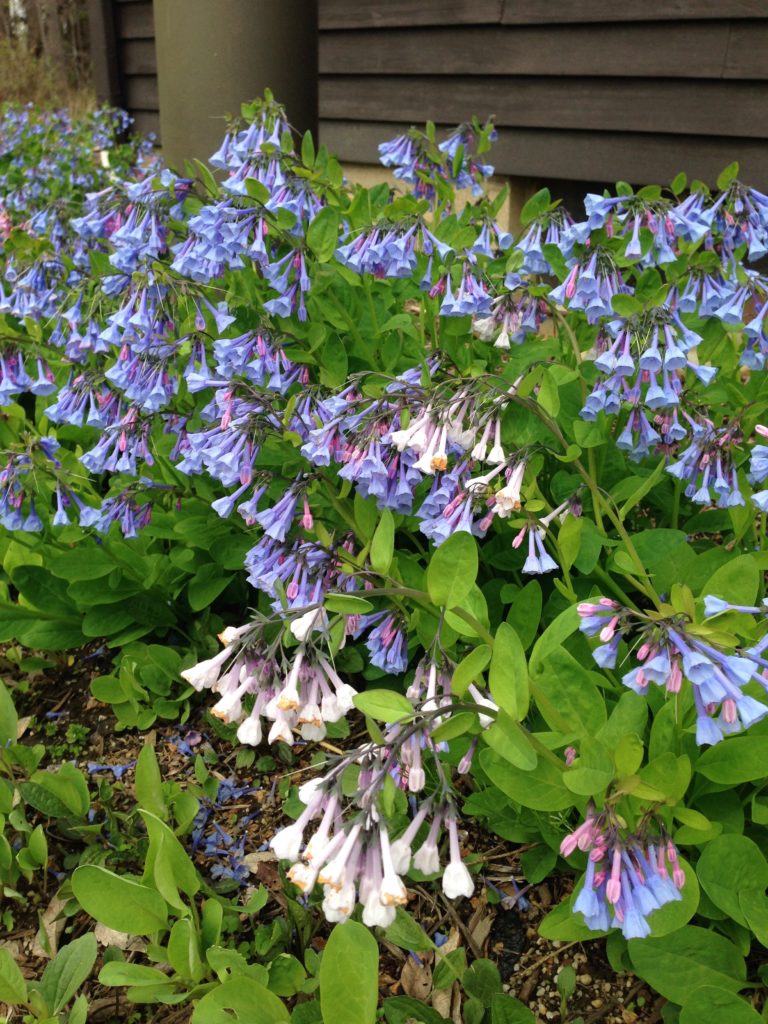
column 352, row 14
column 617, row 104
column 588, row 90
column 545, row 154
column 673, row 50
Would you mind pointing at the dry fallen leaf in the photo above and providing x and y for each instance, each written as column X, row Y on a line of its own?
column 416, row 978
column 51, row 927
column 109, row 937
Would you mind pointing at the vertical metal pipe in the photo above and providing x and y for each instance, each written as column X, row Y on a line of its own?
column 213, row 55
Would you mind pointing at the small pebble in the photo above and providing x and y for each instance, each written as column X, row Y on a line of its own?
column 585, row 979
column 597, row 1003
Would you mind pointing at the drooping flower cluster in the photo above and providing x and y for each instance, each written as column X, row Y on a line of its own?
column 425, row 165
column 707, row 466
column 298, row 700
column 669, row 652
column 351, row 852
column 628, row 876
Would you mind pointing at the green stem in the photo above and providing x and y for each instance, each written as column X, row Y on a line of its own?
column 422, row 598
column 675, row 520
column 593, row 489
column 371, row 306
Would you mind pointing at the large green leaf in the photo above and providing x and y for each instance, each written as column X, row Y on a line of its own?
column 64, row 975
column 323, row 233
column 543, row 790
column 729, row 865
column 679, row 963
column 741, row 759
column 717, row 1006
column 120, row 902
column 349, row 976
column 508, row 674
column 248, row 1001
column 13, row 988
column 452, row 570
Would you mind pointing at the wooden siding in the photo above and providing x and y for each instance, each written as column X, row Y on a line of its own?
column 591, row 90
column 125, row 64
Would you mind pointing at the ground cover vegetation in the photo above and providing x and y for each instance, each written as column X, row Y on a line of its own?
column 459, row 538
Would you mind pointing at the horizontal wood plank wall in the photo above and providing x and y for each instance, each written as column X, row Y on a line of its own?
column 125, row 66
column 594, row 90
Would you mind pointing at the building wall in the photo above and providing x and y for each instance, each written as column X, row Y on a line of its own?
column 587, row 90
column 124, row 58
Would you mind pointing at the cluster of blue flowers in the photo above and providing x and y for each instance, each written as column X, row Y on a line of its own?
column 668, row 653
column 627, row 876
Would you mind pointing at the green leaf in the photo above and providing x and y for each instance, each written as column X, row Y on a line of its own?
column 307, row 150
column 592, row 772
column 717, row 1006
column 148, row 783
column 563, row 925
column 728, row 865
column 67, row 788
column 456, row 725
column 452, row 570
column 13, row 988
column 78, row 1014
column 737, row 581
column 569, row 540
column 347, row 604
column 482, row 980
column 668, row 775
column 548, row 396
column 741, row 759
column 64, row 975
column 406, row 1010
column 469, row 669
column 386, row 705
column 449, row 968
column 508, row 674
column 206, row 585
column 168, row 865
column 118, row 973
column 535, row 206
column 257, row 190
column 726, row 176
column 349, row 976
column 120, row 902
column 566, row 693
column 323, row 233
column 250, row 1002
column 41, row 589
column 678, row 183
column 626, row 305
column 184, row 951
column 383, row 542
column 9, row 720
column 206, row 176
column 642, row 489
column 677, row 964
column 525, row 613
column 508, row 1010
column 543, row 790
column 286, row 975
column 511, row 741
column 407, row 933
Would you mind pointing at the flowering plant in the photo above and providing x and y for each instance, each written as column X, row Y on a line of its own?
column 505, row 496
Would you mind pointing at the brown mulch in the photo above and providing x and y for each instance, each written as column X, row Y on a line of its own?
column 502, row 932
